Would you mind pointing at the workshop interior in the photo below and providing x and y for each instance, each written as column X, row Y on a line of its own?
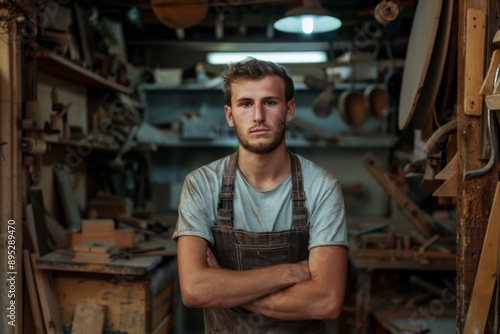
column 106, row 106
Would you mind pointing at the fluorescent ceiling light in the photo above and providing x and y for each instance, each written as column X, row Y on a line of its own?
column 277, row 57
column 309, row 18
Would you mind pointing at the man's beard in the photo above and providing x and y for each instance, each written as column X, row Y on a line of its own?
column 261, row 148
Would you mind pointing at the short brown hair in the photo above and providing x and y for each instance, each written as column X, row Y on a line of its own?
column 255, row 69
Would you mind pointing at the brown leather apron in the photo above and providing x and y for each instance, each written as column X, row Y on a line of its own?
column 241, row 250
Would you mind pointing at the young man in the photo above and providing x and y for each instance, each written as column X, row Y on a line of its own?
column 261, row 233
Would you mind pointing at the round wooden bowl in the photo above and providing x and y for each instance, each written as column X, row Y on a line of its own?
column 377, row 100
column 352, row 107
column 174, row 16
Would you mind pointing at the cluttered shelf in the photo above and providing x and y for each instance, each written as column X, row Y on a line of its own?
column 64, row 68
column 81, row 143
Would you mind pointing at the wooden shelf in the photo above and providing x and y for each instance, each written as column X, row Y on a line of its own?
column 77, row 143
column 62, row 67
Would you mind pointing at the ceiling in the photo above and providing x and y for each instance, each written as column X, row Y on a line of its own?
column 250, row 21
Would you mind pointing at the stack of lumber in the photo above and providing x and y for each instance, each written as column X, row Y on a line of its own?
column 95, row 252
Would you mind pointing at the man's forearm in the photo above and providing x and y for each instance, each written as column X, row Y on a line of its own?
column 221, row 288
column 298, row 302
column 320, row 297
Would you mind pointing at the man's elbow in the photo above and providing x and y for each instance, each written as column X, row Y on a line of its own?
column 332, row 312
column 329, row 310
column 193, row 298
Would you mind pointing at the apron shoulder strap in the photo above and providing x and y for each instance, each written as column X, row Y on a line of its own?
column 299, row 215
column 225, row 208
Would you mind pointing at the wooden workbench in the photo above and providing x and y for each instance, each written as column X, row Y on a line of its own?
column 138, row 293
column 365, row 267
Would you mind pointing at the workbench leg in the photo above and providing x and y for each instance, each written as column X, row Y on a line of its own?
column 363, row 287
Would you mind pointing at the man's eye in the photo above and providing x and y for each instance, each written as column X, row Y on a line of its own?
column 271, row 103
column 245, row 104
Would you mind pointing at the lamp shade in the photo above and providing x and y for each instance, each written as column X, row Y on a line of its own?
column 309, row 18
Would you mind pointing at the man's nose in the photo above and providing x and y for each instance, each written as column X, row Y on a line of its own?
column 259, row 113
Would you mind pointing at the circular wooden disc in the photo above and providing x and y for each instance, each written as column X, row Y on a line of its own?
column 436, row 67
column 418, row 55
column 176, row 16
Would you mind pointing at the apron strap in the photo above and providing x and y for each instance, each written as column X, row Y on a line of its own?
column 225, row 207
column 225, row 210
column 299, row 215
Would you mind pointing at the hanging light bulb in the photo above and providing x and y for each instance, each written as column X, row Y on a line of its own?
column 307, row 25
column 309, row 18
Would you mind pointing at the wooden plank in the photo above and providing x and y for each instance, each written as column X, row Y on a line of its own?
column 124, row 238
column 67, row 197
column 56, row 232
column 42, row 242
column 50, row 308
column 484, row 283
column 166, row 325
column 371, row 252
column 88, row 318
column 449, row 170
column 110, row 209
column 474, row 60
column 96, row 247
column 415, row 215
column 30, row 227
column 63, row 67
column 33, row 294
column 489, row 80
column 98, row 226
column 449, row 188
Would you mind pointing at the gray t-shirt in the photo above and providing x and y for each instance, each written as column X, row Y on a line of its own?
column 263, row 211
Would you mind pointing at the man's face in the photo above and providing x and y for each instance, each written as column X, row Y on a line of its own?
column 259, row 113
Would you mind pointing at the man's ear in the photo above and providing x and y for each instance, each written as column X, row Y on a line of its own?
column 290, row 110
column 229, row 115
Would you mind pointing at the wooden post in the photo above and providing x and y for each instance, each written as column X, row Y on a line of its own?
column 10, row 180
column 363, row 300
column 475, row 195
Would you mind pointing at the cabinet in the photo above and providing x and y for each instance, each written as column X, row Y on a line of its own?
column 139, row 295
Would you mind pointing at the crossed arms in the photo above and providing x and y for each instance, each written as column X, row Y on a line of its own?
column 312, row 289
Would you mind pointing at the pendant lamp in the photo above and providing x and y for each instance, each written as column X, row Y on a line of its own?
column 310, row 18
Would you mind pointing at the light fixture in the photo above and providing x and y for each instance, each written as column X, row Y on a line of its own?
column 309, row 18
column 277, row 57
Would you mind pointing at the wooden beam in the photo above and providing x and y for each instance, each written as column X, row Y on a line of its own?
column 484, row 284
column 474, row 195
column 11, row 175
